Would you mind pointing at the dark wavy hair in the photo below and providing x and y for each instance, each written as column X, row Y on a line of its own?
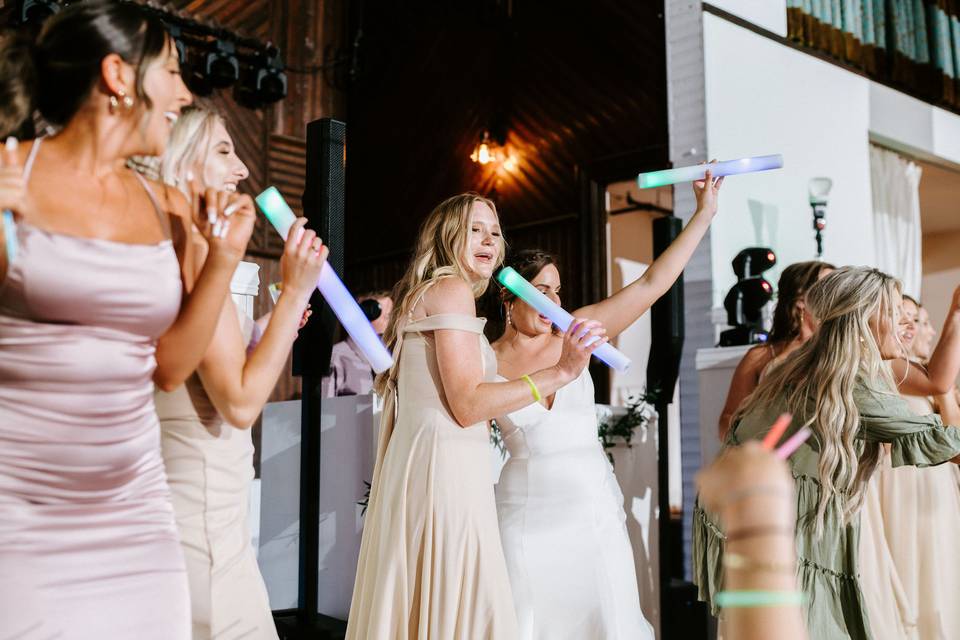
column 55, row 72
column 793, row 285
column 528, row 263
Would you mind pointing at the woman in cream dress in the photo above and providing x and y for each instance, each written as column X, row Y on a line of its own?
column 431, row 565
column 205, row 424
column 921, row 507
column 893, row 615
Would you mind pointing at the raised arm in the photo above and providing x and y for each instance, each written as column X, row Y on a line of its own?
column 181, row 348
column 944, row 366
column 460, row 362
column 239, row 385
column 622, row 309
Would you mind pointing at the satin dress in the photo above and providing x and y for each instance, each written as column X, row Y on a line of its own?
column 88, row 542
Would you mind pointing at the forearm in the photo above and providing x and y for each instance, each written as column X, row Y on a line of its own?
column 667, row 268
column 948, row 409
column 622, row 309
column 763, row 563
column 266, row 362
column 489, row 400
column 944, row 364
column 181, row 348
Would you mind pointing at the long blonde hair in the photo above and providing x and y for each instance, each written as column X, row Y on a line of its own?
column 818, row 380
column 188, row 146
column 441, row 245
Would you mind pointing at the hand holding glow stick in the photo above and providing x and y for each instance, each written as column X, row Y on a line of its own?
column 12, row 194
column 334, row 292
column 519, row 286
column 718, row 169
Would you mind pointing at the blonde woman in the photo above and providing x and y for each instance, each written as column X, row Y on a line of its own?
column 431, row 564
column 839, row 385
column 205, row 424
column 928, row 497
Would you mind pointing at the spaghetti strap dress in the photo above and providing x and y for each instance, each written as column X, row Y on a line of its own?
column 88, row 544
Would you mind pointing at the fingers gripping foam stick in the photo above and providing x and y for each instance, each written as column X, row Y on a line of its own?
column 519, row 286
column 334, row 292
column 696, row 172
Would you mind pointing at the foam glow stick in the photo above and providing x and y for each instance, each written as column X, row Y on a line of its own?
column 793, row 443
column 776, row 431
column 696, row 172
column 344, row 305
column 10, row 234
column 519, row 286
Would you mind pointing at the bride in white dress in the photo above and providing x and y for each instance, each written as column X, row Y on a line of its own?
column 562, row 522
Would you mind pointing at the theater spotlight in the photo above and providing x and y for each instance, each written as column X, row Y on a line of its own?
column 264, row 82
column 176, row 32
column 33, row 12
column 194, row 74
column 221, row 66
column 753, row 261
column 745, row 301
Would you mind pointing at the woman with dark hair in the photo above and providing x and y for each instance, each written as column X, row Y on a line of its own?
column 560, row 509
column 92, row 315
column 792, row 326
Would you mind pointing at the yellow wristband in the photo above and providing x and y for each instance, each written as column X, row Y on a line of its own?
column 533, row 388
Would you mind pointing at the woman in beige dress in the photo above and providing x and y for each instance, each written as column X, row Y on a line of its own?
column 207, row 448
column 921, row 507
column 431, row 564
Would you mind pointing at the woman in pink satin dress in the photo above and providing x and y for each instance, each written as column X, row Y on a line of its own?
column 92, row 314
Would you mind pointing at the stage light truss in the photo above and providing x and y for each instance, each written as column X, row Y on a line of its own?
column 211, row 57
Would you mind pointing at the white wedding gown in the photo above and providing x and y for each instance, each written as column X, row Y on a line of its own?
column 563, row 527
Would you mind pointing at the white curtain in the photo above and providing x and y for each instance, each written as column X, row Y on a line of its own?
column 895, row 182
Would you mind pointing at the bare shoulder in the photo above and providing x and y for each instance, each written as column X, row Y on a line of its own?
column 757, row 358
column 450, row 295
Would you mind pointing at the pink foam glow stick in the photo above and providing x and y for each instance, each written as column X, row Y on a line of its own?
column 776, row 431
column 793, row 443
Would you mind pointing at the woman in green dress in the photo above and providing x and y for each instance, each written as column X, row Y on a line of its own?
column 840, row 385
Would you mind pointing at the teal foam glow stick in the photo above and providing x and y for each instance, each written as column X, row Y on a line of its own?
column 653, row 179
column 519, row 286
column 10, row 234
column 344, row 305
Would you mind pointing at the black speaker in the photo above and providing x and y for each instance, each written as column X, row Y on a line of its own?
column 666, row 319
column 323, row 206
column 323, row 200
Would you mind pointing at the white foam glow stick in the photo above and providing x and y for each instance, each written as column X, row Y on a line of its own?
column 519, row 286
column 344, row 305
column 696, row 172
